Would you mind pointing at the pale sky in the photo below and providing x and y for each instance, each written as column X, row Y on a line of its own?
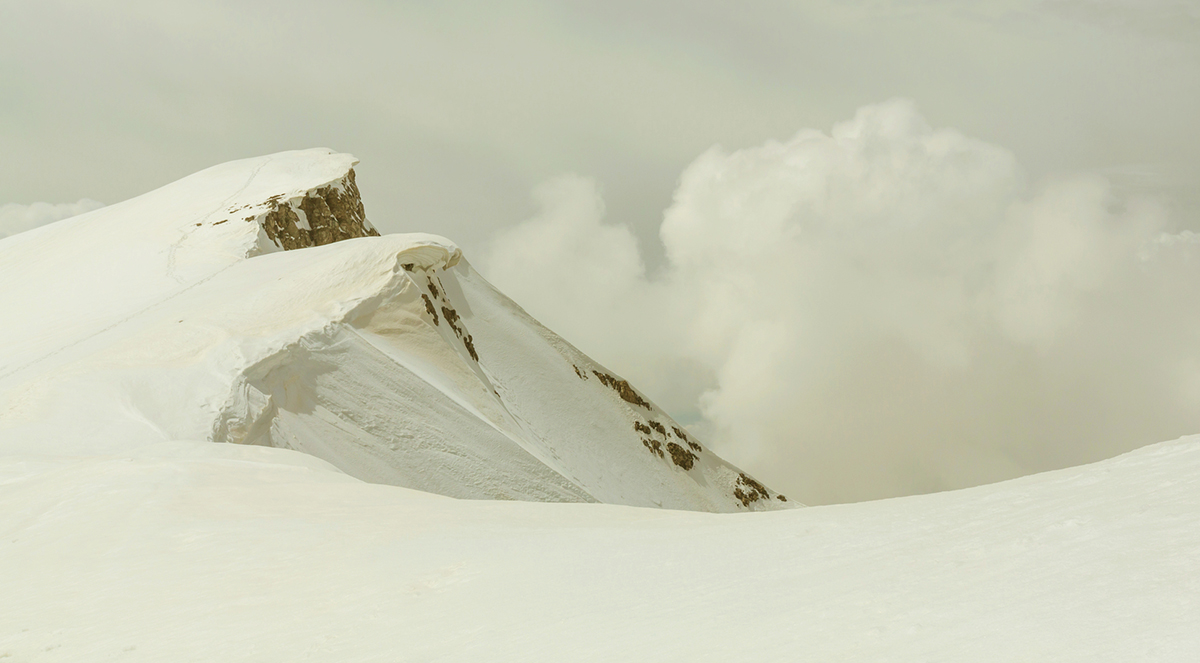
column 521, row 128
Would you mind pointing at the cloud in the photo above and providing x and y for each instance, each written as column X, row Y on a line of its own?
column 15, row 218
column 457, row 112
column 883, row 309
column 1177, row 19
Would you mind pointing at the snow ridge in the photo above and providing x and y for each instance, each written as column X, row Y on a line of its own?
column 254, row 303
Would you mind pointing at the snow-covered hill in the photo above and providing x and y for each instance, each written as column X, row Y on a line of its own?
column 215, row 552
column 138, row 337
column 179, row 315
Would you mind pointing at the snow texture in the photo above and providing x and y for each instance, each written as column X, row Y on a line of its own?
column 240, row 553
column 138, row 335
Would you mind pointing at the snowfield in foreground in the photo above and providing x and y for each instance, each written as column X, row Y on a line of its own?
column 202, row 552
column 254, row 304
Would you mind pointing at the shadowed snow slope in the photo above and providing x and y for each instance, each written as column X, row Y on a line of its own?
column 179, row 315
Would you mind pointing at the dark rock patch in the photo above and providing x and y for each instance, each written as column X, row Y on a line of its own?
column 469, row 343
column 680, row 456
column 324, row 228
column 334, row 213
column 747, row 490
column 654, row 446
column 623, row 389
column 347, row 208
column 452, row 320
column 282, row 226
column 429, row 308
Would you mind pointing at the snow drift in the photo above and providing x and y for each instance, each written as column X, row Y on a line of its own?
column 184, row 314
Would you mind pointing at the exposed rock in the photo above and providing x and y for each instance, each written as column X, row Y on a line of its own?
column 282, row 226
column 469, row 344
column 680, row 456
column 452, row 319
column 331, row 213
column 747, row 490
column 654, row 446
column 623, row 389
column 429, row 308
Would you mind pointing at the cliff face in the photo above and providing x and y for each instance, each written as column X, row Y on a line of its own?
column 322, row 216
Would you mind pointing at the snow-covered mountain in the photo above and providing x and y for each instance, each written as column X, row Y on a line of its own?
column 183, row 315
column 138, row 337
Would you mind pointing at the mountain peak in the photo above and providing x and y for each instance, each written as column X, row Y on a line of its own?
column 226, row 307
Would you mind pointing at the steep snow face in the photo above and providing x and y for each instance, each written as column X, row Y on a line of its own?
column 179, row 315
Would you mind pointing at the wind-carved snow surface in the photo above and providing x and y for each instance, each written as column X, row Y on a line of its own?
column 178, row 315
column 140, row 336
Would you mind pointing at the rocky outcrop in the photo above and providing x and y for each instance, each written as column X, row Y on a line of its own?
column 322, row 216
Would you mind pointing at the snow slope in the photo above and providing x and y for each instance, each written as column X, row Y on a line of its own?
column 134, row 339
column 237, row 553
column 178, row 315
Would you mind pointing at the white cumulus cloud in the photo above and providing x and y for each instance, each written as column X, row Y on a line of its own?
column 883, row 309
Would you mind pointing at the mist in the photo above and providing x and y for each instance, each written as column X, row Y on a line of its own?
column 17, row 217
column 880, row 309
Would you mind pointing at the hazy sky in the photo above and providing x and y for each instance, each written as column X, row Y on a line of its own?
column 940, row 243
